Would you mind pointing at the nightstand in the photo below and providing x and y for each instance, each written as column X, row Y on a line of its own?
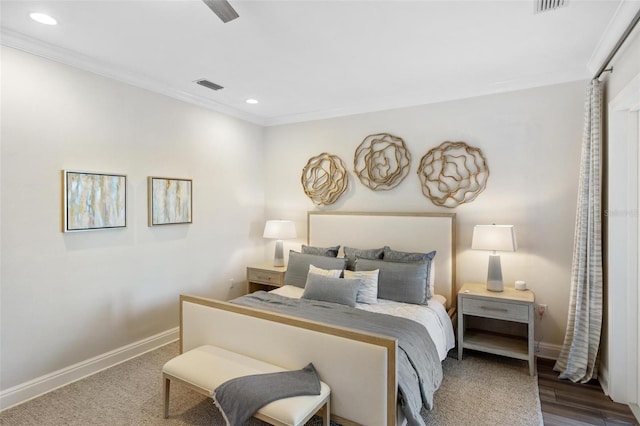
column 265, row 277
column 509, row 305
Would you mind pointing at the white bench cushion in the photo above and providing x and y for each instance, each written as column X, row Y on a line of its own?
column 209, row 366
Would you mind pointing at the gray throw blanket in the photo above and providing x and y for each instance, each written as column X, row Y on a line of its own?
column 239, row 399
column 419, row 367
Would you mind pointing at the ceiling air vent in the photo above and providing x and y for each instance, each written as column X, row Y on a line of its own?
column 209, row 85
column 546, row 5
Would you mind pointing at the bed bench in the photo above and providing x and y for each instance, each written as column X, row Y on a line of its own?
column 206, row 367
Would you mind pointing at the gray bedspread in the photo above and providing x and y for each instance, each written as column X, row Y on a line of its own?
column 419, row 368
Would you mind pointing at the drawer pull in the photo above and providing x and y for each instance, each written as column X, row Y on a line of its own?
column 263, row 277
column 490, row 308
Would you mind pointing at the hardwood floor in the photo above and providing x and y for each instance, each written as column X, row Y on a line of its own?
column 569, row 404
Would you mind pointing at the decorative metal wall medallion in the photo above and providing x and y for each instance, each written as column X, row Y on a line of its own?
column 324, row 179
column 381, row 161
column 453, row 173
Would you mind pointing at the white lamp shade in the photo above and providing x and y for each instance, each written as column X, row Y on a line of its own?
column 279, row 229
column 494, row 237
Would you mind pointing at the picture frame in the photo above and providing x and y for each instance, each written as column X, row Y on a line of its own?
column 93, row 201
column 170, row 201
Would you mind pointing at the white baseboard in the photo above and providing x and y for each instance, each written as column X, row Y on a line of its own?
column 548, row 350
column 43, row 384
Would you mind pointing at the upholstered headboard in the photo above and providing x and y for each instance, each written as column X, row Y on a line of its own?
column 414, row 232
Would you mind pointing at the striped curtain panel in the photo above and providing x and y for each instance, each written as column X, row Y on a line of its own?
column 577, row 361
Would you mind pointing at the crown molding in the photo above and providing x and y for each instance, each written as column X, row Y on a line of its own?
column 616, row 27
column 36, row 47
column 548, row 79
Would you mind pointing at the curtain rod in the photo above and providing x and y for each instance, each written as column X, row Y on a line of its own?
column 622, row 39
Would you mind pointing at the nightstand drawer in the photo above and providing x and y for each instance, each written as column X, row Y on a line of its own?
column 493, row 309
column 266, row 277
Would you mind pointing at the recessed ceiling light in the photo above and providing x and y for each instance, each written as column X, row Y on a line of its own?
column 43, row 18
column 251, row 101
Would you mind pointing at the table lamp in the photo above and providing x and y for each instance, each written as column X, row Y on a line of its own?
column 495, row 238
column 279, row 230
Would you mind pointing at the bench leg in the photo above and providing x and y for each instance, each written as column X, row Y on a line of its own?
column 165, row 394
column 326, row 413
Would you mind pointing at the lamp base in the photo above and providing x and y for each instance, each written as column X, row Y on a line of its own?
column 494, row 274
column 278, row 258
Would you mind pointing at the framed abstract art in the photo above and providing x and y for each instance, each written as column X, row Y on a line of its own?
column 170, row 201
column 93, row 201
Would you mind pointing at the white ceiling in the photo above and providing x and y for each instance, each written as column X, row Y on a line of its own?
column 307, row 59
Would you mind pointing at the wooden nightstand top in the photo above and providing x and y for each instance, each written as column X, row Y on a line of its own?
column 268, row 266
column 509, row 293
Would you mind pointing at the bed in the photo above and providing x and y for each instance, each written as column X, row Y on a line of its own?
column 362, row 367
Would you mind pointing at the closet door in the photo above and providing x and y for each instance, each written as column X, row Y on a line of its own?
column 622, row 364
column 637, row 283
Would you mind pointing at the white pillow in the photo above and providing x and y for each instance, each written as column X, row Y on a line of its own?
column 368, row 291
column 334, row 273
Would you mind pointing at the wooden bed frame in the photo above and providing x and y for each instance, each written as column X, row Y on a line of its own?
column 360, row 367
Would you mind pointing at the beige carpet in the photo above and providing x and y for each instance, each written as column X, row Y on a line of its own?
column 486, row 390
column 481, row 390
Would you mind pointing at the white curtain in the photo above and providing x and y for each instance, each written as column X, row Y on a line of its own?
column 577, row 361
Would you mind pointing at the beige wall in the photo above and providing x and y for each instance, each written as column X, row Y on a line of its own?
column 69, row 297
column 531, row 140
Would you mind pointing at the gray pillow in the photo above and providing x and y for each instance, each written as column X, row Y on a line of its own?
column 298, row 266
column 321, row 251
column 402, row 282
column 329, row 289
column 352, row 253
column 407, row 257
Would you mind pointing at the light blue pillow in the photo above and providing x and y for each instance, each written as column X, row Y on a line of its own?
column 402, row 282
column 408, row 257
column 329, row 289
column 298, row 266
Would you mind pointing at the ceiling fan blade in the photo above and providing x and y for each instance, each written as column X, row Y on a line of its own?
column 223, row 9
